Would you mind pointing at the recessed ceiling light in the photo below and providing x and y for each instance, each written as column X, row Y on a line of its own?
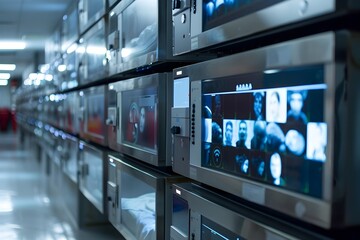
column 3, row 82
column 7, row 67
column 12, row 45
column 4, row 76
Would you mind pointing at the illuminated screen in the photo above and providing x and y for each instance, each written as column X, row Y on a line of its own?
column 139, row 118
column 213, row 231
column 95, row 115
column 139, row 37
column 268, row 127
column 219, row 12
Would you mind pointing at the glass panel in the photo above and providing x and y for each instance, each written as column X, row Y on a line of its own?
column 219, row 12
column 268, row 126
column 93, row 7
column 96, row 55
column 213, row 231
column 71, row 163
column 94, row 179
column 139, row 118
column 140, row 36
column 180, row 214
column 138, row 206
column 95, row 114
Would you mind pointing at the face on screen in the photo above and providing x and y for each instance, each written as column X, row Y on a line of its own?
column 138, row 116
column 258, row 105
column 276, row 135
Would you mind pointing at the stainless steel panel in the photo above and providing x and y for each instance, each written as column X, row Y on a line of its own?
column 93, row 175
column 139, row 40
column 152, row 144
column 291, row 11
column 241, row 225
column 92, row 54
column 70, row 157
column 317, row 49
column 276, row 15
column 90, row 11
column 93, row 104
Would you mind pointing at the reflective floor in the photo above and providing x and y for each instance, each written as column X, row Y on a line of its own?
column 26, row 211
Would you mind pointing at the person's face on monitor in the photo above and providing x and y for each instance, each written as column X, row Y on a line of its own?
column 258, row 104
column 228, row 132
column 142, row 120
column 295, row 142
column 275, row 166
column 296, row 102
column 242, row 131
column 274, row 105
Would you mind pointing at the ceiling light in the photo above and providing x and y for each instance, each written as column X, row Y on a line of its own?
column 4, row 76
column 61, row 68
column 271, row 71
column 12, row 45
column 3, row 82
column 7, row 67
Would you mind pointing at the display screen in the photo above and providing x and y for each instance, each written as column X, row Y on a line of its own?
column 139, row 118
column 213, row 231
column 269, row 127
column 95, row 114
column 219, row 12
column 139, row 37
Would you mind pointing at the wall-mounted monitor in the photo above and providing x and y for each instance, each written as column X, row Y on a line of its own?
column 272, row 125
column 92, row 114
column 139, row 33
column 200, row 25
column 200, row 214
column 93, row 175
column 92, row 63
column 143, row 118
column 139, row 199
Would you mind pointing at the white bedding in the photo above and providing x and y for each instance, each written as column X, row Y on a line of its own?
column 138, row 215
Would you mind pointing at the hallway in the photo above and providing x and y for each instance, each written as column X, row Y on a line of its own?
column 26, row 212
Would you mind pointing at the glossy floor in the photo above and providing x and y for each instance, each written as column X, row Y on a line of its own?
column 26, row 211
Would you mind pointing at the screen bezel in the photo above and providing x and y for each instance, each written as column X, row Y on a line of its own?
column 252, row 23
column 317, row 210
column 154, row 179
column 159, row 156
column 203, row 202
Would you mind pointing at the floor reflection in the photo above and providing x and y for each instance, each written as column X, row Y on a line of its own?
column 26, row 211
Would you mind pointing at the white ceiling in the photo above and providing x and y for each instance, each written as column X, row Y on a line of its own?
column 33, row 21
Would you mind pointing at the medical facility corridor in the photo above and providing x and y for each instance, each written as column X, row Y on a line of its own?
column 26, row 211
column 179, row 120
